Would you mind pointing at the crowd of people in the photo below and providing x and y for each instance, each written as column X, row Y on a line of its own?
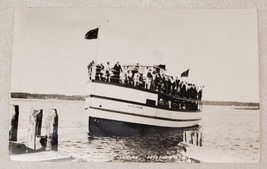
column 149, row 79
column 177, row 104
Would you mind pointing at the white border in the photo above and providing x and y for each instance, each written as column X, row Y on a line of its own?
column 7, row 9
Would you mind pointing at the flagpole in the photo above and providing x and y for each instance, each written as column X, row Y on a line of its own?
column 97, row 44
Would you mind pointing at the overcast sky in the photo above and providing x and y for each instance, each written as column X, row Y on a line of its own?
column 50, row 54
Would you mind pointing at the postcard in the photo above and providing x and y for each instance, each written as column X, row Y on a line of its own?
column 135, row 85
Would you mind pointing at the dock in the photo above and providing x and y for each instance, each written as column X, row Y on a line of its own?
column 42, row 156
column 205, row 154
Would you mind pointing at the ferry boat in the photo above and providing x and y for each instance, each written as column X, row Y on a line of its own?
column 121, row 106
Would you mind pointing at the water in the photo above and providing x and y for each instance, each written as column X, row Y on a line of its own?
column 233, row 132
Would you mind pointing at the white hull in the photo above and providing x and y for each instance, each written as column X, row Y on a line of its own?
column 124, row 104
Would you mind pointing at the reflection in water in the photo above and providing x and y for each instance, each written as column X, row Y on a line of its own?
column 162, row 147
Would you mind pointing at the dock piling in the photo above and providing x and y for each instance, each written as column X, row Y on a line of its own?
column 14, row 114
column 52, row 130
column 34, row 128
column 192, row 137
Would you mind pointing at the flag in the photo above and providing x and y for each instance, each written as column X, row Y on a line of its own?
column 185, row 73
column 92, row 34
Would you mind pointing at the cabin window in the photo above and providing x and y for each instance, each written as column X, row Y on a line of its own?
column 150, row 102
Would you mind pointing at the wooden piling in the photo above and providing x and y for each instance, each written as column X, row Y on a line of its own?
column 192, row 137
column 52, row 130
column 14, row 114
column 36, row 117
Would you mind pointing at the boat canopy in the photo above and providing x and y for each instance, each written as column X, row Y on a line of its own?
column 142, row 68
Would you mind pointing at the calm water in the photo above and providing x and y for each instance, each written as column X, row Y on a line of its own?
column 232, row 132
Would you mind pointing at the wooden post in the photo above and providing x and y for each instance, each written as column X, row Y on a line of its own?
column 52, row 130
column 36, row 117
column 14, row 114
column 200, row 139
column 184, row 137
column 193, row 137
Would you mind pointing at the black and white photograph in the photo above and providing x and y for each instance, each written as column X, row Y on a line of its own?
column 135, row 85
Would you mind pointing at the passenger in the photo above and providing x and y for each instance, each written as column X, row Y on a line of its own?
column 102, row 71
column 189, row 91
column 179, row 104
column 90, row 69
column 163, row 84
column 194, row 92
column 117, row 70
column 183, row 90
column 134, row 74
column 136, row 79
column 156, row 79
column 169, row 104
column 141, row 81
column 177, row 84
column 123, row 76
column 169, row 83
column 186, row 89
column 130, row 77
column 172, row 86
column 200, row 93
column 161, row 103
column 153, row 82
column 98, row 72
column 149, row 79
column 107, row 72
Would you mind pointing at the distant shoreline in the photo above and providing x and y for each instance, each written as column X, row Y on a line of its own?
column 47, row 96
column 20, row 95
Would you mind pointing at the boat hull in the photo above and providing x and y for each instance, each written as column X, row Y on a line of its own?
column 121, row 111
column 108, row 128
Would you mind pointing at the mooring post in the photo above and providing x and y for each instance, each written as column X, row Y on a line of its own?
column 200, row 139
column 14, row 114
column 188, row 138
column 36, row 117
column 193, row 137
column 52, row 130
column 184, row 137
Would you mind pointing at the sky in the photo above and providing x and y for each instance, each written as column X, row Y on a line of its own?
column 220, row 47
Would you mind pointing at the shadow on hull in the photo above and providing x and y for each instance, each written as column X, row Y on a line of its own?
column 110, row 128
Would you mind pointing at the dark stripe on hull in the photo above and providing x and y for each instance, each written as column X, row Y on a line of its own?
column 140, row 115
column 106, row 127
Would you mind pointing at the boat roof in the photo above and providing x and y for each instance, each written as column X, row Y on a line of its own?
column 143, row 65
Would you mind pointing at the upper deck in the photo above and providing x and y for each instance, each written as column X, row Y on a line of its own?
column 173, row 94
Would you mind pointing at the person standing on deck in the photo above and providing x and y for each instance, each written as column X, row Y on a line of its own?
column 130, row 77
column 153, row 82
column 183, row 89
column 177, row 87
column 90, row 69
column 135, row 74
column 107, row 72
column 156, row 80
column 117, row 70
column 200, row 93
column 123, row 75
column 149, row 79
column 172, row 89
